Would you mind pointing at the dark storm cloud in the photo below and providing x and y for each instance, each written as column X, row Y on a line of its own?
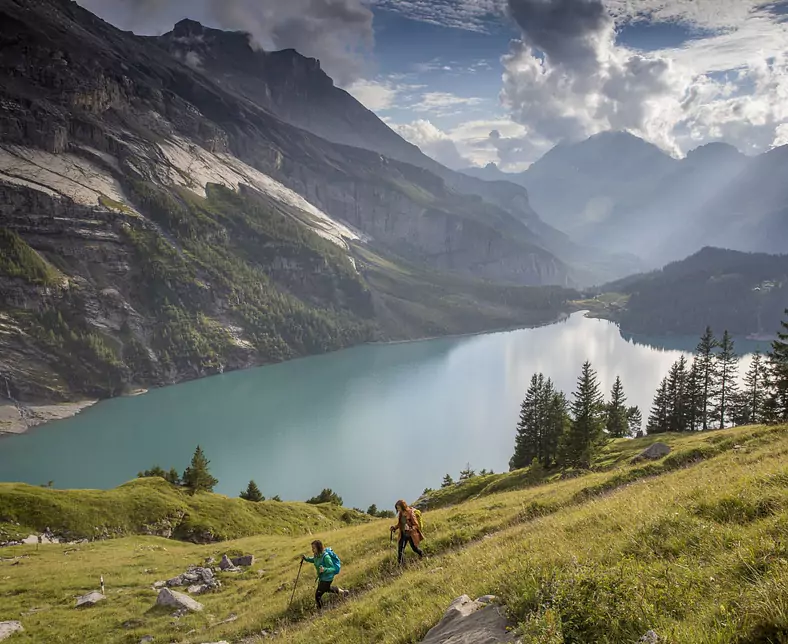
column 564, row 30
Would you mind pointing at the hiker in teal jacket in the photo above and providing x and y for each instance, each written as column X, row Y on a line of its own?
column 325, row 573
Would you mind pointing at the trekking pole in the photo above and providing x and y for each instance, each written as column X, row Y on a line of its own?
column 295, row 584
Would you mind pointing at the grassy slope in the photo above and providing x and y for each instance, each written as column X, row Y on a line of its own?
column 696, row 553
column 153, row 502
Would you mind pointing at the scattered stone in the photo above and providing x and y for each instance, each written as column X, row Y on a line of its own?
column 246, row 560
column 209, row 561
column 199, row 580
column 159, row 584
column 91, row 599
column 650, row 638
column 282, row 587
column 231, row 618
column 470, row 622
column 653, row 452
column 147, row 639
column 7, row 629
column 133, row 623
column 225, row 563
column 169, row 597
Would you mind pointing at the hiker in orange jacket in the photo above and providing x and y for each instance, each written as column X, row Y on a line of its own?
column 409, row 531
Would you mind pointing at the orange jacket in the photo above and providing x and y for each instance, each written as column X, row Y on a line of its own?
column 412, row 526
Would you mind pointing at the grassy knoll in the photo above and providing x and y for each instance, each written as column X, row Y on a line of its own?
column 153, row 506
column 692, row 546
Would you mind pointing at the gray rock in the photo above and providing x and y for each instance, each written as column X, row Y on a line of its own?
column 91, row 599
column 649, row 638
column 653, row 452
column 471, row 622
column 159, row 584
column 246, row 560
column 225, row 563
column 169, row 597
column 147, row 639
column 7, row 629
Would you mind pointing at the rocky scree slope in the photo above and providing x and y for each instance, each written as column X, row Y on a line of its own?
column 157, row 226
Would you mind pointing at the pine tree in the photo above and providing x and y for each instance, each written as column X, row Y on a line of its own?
column 196, row 477
column 448, row 481
column 676, row 402
column 467, row 473
column 634, row 420
column 587, row 426
column 693, row 396
column 252, row 493
column 727, row 370
column 526, row 442
column 749, row 404
column 707, row 374
column 173, row 476
column 658, row 418
column 616, row 413
column 558, row 423
column 777, row 405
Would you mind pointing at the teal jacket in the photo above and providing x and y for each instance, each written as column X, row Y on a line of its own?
column 329, row 572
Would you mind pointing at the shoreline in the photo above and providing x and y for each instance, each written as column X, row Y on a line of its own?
column 16, row 419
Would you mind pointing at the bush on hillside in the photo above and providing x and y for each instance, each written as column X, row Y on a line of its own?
column 171, row 477
column 326, row 496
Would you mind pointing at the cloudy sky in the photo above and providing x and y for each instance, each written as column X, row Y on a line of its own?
column 479, row 81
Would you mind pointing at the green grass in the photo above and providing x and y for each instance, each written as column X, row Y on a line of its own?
column 152, row 506
column 693, row 548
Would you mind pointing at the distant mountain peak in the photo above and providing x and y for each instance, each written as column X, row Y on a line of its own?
column 716, row 149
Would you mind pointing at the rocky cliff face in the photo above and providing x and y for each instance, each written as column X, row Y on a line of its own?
column 157, row 224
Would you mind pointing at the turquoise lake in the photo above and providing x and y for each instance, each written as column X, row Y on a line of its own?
column 374, row 423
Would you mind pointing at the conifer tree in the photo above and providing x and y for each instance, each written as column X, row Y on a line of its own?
column 448, row 481
column 587, row 426
column 658, row 418
column 727, row 370
column 173, row 476
column 252, row 493
column 616, row 421
column 526, row 442
column 372, row 510
column 707, row 374
column 693, row 397
column 558, row 423
column 749, row 405
column 676, row 401
column 634, row 420
column 467, row 473
column 197, row 477
column 777, row 402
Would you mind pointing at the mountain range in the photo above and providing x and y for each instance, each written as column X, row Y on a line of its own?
column 175, row 206
column 626, row 195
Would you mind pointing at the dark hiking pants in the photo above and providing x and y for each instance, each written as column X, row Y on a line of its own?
column 324, row 587
column 404, row 540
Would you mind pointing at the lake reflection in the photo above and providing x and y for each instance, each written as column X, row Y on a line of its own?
column 373, row 423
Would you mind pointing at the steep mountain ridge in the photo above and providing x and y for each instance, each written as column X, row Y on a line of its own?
column 156, row 227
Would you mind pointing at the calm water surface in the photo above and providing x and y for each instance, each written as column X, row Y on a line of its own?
column 373, row 423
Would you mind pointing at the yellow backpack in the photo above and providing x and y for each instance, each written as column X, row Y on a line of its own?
column 417, row 516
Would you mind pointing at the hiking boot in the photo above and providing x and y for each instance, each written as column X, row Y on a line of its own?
column 344, row 594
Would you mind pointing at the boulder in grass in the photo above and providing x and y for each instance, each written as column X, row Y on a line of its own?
column 471, row 622
column 653, row 452
column 7, row 629
column 91, row 599
column 246, row 560
column 175, row 599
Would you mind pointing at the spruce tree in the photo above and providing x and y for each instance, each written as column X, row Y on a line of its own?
column 658, row 418
column 616, row 421
column 749, row 405
column 448, row 481
column 634, row 420
column 558, row 423
column 676, row 401
column 252, row 493
column 693, row 397
column 468, row 473
column 587, row 426
column 727, row 370
column 777, row 403
column 372, row 510
column 196, row 477
column 526, row 442
column 707, row 374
